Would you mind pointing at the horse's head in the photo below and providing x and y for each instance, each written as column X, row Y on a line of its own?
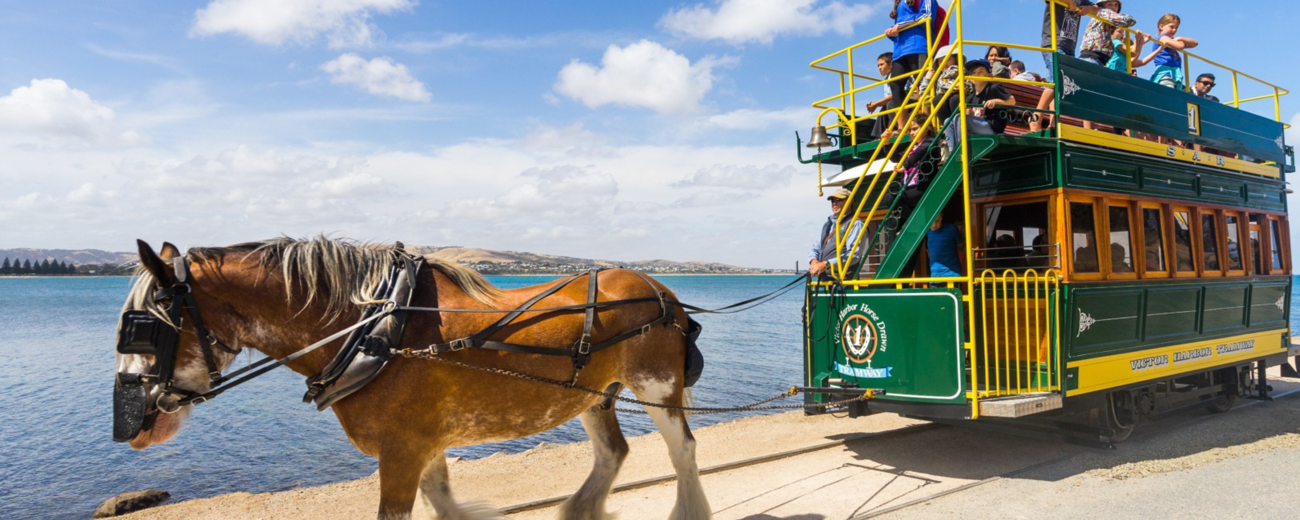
column 166, row 354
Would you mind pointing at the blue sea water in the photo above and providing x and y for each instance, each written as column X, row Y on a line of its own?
column 58, row 461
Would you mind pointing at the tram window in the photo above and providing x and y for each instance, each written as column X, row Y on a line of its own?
column 1121, row 241
column 1153, row 239
column 1015, row 237
column 1210, row 241
column 1083, row 229
column 1183, row 241
column 1232, row 230
column 1276, row 233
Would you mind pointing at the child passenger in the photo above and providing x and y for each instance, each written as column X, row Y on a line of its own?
column 989, row 95
column 1119, row 61
column 1165, row 53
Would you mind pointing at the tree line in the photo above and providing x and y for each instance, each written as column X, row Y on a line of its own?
column 56, row 268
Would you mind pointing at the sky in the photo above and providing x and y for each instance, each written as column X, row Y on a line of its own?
column 623, row 130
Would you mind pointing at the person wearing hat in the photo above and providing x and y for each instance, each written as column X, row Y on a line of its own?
column 1098, row 46
column 988, row 95
column 823, row 253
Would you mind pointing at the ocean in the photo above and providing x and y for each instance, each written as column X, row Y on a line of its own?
column 58, row 460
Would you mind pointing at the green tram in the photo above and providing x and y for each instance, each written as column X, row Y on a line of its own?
column 1186, row 302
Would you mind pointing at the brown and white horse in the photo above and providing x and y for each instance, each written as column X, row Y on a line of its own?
column 280, row 295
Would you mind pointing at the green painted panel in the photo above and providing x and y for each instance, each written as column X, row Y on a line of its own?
column 1223, row 190
column 1011, row 175
column 1172, row 312
column 1105, row 319
column 906, row 342
column 1105, row 96
column 1224, row 308
column 1095, row 171
column 1268, row 305
column 1166, row 181
column 1266, row 196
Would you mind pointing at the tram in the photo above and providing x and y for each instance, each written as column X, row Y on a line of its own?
column 1106, row 275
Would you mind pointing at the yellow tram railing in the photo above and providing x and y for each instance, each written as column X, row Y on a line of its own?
column 1018, row 334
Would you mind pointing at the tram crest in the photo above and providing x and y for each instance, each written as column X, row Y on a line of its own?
column 861, row 333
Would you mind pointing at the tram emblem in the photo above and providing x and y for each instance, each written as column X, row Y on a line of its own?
column 859, row 339
column 861, row 333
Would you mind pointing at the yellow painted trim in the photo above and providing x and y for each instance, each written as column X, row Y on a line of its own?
column 1130, row 144
column 1149, row 365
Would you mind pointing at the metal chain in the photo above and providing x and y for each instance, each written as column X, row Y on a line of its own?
column 427, row 354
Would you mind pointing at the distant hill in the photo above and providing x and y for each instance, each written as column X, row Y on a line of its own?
column 484, row 260
column 71, row 256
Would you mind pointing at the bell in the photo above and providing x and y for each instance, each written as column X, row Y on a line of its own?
column 819, row 139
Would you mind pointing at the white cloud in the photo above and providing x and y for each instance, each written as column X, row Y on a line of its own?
column 346, row 23
column 739, row 177
column 643, row 74
column 760, row 21
column 750, row 119
column 51, row 108
column 380, row 76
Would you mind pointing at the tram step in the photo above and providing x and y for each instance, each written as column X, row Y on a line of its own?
column 1020, row 405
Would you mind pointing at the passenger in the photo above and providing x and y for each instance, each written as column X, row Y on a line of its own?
column 1098, row 39
column 1019, row 73
column 1165, row 53
column 1042, row 252
column 1066, row 33
column 883, row 63
column 1085, row 259
column 944, row 64
column 1117, row 261
column 1124, row 53
column 943, row 242
column 991, row 95
column 1007, row 254
column 999, row 59
column 822, row 255
column 1204, row 83
column 910, row 45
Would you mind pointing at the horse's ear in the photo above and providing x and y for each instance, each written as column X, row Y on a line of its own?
column 155, row 265
column 169, row 252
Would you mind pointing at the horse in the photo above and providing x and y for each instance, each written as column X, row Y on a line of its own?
column 275, row 296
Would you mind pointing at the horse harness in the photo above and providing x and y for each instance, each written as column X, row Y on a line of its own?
column 369, row 349
column 371, row 343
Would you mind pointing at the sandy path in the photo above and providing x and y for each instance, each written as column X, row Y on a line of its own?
column 1168, row 468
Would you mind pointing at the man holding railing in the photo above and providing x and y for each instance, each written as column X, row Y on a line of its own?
column 823, row 253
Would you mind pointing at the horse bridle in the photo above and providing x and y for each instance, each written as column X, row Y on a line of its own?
column 143, row 333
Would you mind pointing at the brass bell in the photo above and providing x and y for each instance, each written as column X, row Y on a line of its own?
column 819, row 139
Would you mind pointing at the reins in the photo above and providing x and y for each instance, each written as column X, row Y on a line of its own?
column 581, row 351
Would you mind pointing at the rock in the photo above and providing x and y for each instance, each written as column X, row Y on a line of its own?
column 131, row 502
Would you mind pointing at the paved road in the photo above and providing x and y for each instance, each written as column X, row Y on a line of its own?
column 1195, row 465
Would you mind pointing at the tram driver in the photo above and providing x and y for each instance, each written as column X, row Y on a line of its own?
column 823, row 253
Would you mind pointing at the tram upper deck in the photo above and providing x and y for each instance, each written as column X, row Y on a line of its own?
column 1093, row 262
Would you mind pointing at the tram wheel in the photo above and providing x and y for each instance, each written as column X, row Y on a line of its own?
column 1117, row 415
column 1222, row 403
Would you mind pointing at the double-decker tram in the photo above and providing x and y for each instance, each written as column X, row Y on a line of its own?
column 1129, row 258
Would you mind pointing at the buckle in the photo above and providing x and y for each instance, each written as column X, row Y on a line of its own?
column 645, row 329
column 584, row 345
column 460, row 344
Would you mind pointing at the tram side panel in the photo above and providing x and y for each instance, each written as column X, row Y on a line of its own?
column 1122, row 335
column 907, row 343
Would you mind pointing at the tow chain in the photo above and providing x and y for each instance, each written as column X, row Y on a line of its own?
column 697, row 410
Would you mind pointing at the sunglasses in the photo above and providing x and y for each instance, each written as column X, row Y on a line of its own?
column 1207, row 83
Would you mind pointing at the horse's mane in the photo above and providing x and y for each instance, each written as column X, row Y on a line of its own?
column 339, row 272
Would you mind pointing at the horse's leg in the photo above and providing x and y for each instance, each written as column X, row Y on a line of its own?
column 691, row 502
column 436, row 488
column 611, row 449
column 399, row 480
